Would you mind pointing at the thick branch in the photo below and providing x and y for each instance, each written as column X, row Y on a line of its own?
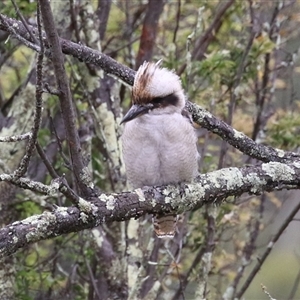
column 212, row 187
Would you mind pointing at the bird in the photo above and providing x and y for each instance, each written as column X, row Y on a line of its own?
column 159, row 141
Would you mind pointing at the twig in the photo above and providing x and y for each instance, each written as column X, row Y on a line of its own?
column 248, row 249
column 205, row 266
column 26, row 183
column 22, row 169
column 67, row 191
column 102, row 14
column 60, row 147
column 92, row 278
column 237, row 139
column 24, row 22
column 236, row 83
column 269, row 248
column 204, row 41
column 295, row 286
column 261, row 95
column 177, row 21
column 67, row 105
column 23, row 39
column 264, row 288
column 16, row 138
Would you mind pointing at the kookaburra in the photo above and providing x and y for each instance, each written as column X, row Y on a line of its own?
column 159, row 141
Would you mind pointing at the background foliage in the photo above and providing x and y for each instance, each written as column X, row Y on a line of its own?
column 239, row 60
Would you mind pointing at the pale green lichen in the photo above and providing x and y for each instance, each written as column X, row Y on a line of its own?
column 84, row 217
column 115, row 269
column 166, row 192
column 172, row 196
column 133, row 228
column 171, row 192
column 152, row 294
column 297, row 164
column 98, row 238
column 232, row 178
column 235, row 178
column 278, row 171
column 63, row 211
column 53, row 189
column 256, row 182
column 153, row 202
column 228, row 293
column 141, row 195
column 214, row 179
column 132, row 275
column 103, row 198
column 85, row 206
column 42, row 223
column 238, row 134
column 30, row 220
column 109, row 133
column 86, row 177
column 109, row 199
column 150, row 245
column 280, row 152
column 110, row 204
column 193, row 193
column 168, row 199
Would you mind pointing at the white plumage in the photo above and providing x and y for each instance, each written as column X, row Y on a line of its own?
column 159, row 142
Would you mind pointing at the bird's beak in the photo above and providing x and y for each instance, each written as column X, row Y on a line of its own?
column 135, row 111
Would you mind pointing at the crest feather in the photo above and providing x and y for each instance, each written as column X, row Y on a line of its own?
column 152, row 81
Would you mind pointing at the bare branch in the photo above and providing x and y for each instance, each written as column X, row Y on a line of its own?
column 204, row 41
column 65, row 97
column 212, row 187
column 24, row 21
column 249, row 247
column 236, row 83
column 22, row 169
column 16, row 138
column 295, row 287
column 102, row 14
column 9, row 27
column 237, row 139
column 28, row 184
column 267, row 251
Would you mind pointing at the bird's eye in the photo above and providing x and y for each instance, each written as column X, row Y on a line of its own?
column 165, row 101
column 157, row 100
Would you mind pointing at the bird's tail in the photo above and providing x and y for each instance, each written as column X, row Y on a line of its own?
column 165, row 225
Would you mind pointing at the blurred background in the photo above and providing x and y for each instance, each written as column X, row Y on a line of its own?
column 239, row 60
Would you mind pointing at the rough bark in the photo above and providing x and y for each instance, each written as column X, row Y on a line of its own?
column 210, row 188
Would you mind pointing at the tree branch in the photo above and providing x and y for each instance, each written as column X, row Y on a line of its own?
column 65, row 97
column 212, row 187
column 24, row 163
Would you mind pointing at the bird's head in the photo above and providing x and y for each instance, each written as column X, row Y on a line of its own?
column 155, row 90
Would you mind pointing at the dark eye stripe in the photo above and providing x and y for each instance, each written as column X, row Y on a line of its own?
column 165, row 101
